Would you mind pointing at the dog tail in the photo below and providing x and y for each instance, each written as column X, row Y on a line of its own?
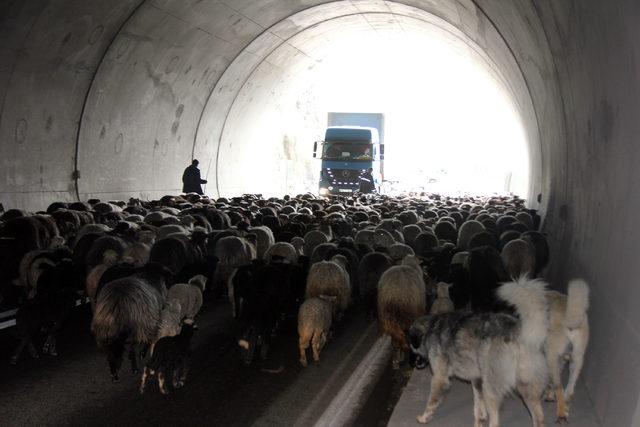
column 577, row 303
column 528, row 297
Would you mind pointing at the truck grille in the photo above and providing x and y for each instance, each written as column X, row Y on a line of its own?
column 344, row 176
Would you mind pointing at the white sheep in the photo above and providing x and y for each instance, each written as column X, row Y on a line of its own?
column 283, row 250
column 314, row 322
column 329, row 278
column 189, row 295
column 264, row 240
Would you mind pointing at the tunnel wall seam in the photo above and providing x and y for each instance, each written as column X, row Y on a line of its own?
column 535, row 110
column 116, row 34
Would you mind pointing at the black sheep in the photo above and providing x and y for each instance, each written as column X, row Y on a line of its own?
column 170, row 360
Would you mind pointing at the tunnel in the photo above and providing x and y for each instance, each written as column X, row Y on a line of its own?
column 111, row 100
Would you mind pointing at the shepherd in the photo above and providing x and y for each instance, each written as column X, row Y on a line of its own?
column 191, row 181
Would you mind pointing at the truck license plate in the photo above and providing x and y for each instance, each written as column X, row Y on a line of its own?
column 344, row 190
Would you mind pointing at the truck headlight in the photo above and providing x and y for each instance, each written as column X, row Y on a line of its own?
column 330, row 187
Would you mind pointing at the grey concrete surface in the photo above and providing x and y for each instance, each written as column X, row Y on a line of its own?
column 457, row 407
column 124, row 92
column 74, row 388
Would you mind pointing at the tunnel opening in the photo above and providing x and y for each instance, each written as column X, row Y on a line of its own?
column 453, row 118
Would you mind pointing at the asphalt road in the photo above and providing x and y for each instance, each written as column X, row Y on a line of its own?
column 75, row 389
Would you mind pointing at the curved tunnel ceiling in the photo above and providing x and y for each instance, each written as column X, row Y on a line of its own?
column 293, row 55
column 137, row 87
column 149, row 98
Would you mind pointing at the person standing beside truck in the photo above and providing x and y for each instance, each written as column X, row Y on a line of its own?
column 366, row 182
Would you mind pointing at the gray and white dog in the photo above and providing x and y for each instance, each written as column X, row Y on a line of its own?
column 496, row 352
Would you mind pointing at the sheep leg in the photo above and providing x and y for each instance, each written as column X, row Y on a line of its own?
column 317, row 342
column 114, row 357
column 395, row 359
column 135, row 357
column 162, row 384
column 143, row 381
column 180, row 379
column 19, row 348
column 303, row 344
column 50, row 344
column 231, row 293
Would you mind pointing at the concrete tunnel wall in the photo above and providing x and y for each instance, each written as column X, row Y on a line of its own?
column 118, row 91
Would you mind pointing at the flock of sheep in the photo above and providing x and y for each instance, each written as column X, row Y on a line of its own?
column 144, row 267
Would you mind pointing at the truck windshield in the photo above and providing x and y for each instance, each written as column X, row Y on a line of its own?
column 347, row 151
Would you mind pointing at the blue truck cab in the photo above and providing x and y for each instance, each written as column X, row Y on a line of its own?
column 346, row 153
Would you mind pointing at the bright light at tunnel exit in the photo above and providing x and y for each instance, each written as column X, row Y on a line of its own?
column 450, row 125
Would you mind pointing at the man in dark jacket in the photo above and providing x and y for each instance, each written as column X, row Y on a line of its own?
column 191, row 179
column 366, row 182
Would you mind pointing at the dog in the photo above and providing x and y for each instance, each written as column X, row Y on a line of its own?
column 567, row 338
column 496, row 352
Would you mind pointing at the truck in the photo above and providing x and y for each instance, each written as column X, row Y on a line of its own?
column 352, row 144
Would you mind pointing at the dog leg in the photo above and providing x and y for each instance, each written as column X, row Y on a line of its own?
column 579, row 341
column 554, row 364
column 439, row 387
column 479, row 410
column 531, row 396
column 492, row 403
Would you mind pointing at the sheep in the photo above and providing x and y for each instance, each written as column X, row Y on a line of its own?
column 314, row 322
column 443, row 303
column 518, row 258
column 169, row 229
column 298, row 244
column 321, row 252
column 170, row 358
column 232, row 252
column 401, row 300
column 329, row 278
column 384, row 238
column 466, row 232
column 264, row 240
column 47, row 311
column 398, row 251
column 425, row 243
column 170, row 320
column 365, row 237
column 189, row 296
column 370, row 269
column 137, row 253
column 110, row 259
column 446, row 230
column 539, row 242
column 128, row 312
column 410, row 232
column 263, row 293
column 283, row 250
column 312, row 239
